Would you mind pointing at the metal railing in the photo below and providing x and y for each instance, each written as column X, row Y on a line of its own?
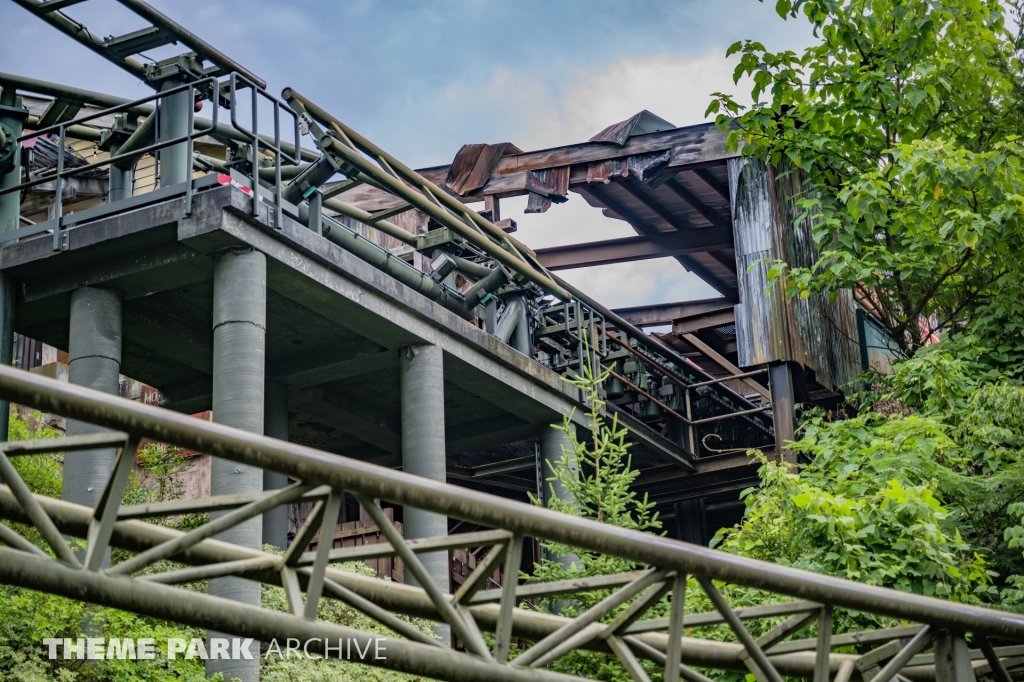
column 60, row 174
column 665, row 568
column 137, row 146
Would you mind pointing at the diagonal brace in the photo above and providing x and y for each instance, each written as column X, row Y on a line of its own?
column 441, row 602
column 35, row 512
column 207, row 530
column 540, row 653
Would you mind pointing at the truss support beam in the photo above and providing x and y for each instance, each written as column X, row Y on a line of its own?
column 372, row 481
column 239, row 351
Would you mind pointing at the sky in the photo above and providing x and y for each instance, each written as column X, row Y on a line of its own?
column 422, row 78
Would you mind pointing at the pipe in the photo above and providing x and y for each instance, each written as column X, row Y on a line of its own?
column 77, row 132
column 199, row 610
column 373, row 481
column 111, row 101
column 443, row 208
column 142, row 137
column 362, row 216
column 494, row 280
column 221, row 166
column 384, row 260
column 469, row 268
column 509, row 319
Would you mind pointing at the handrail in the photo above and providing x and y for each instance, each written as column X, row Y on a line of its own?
column 373, row 481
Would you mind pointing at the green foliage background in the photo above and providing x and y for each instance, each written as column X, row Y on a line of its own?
column 27, row 617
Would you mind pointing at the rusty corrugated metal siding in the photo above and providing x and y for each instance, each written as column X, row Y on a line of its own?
column 820, row 335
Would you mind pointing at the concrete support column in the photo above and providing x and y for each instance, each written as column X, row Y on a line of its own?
column 239, row 350
column 6, row 343
column 780, row 381
column 275, row 425
column 175, row 166
column 554, row 445
column 94, row 361
column 421, row 371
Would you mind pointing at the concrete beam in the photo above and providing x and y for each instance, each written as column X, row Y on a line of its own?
column 323, row 277
column 348, row 415
column 634, row 248
column 365, row 363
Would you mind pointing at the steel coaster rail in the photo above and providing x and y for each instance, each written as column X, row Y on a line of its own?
column 469, row 611
column 338, row 140
column 370, row 480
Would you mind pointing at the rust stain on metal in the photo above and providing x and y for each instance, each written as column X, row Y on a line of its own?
column 474, row 164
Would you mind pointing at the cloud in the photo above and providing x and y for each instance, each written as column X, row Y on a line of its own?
column 677, row 89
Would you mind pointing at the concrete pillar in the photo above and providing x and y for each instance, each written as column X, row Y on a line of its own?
column 175, row 166
column 6, row 343
column 275, row 425
column 780, row 380
column 421, row 371
column 554, row 445
column 239, row 341
column 94, row 361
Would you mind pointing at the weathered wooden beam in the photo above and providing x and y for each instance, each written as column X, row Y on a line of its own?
column 512, row 175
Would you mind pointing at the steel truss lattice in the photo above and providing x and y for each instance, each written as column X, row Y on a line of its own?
column 308, row 577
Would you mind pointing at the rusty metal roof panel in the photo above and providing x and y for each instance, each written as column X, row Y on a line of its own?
column 474, row 163
column 638, row 124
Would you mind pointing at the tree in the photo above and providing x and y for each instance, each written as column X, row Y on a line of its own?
column 904, row 120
